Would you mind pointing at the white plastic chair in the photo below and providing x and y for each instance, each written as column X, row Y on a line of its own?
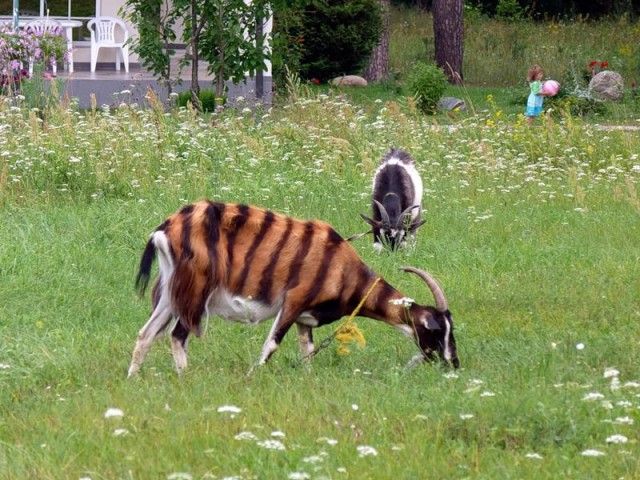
column 103, row 35
column 39, row 28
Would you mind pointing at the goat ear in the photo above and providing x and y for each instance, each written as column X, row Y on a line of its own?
column 415, row 226
column 370, row 221
column 430, row 323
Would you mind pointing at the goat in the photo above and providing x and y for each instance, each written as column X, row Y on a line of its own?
column 397, row 200
column 247, row 264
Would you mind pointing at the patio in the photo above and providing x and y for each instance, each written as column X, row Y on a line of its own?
column 111, row 87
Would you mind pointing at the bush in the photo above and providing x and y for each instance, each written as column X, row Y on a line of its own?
column 338, row 37
column 426, row 83
column 576, row 105
column 207, row 98
column 286, row 41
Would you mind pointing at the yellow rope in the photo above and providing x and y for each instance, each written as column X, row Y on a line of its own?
column 351, row 334
column 348, row 332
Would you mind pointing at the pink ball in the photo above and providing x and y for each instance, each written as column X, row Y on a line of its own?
column 550, row 87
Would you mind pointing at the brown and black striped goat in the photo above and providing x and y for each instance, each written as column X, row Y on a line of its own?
column 247, row 264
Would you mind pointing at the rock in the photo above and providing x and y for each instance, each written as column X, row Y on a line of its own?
column 606, row 85
column 451, row 103
column 349, row 80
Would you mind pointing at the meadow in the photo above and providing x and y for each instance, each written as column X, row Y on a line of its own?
column 533, row 233
column 498, row 53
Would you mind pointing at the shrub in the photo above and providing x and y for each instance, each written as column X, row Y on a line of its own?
column 287, row 41
column 576, row 105
column 338, row 37
column 426, row 83
column 207, row 98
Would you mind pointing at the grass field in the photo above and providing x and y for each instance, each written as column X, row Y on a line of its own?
column 533, row 233
column 498, row 53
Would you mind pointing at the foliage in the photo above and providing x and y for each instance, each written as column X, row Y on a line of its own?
column 427, row 83
column 15, row 50
column 207, row 99
column 156, row 23
column 575, row 105
column 52, row 44
column 221, row 32
column 229, row 41
column 509, row 9
column 287, row 40
column 338, row 36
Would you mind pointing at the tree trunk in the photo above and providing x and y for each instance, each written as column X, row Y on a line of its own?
column 448, row 34
column 378, row 67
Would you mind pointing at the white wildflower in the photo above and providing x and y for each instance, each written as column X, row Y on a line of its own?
column 298, row 476
column 534, row 456
column 271, row 444
column 229, row 409
column 113, row 413
column 314, row 459
column 624, row 403
column 179, row 476
column 4, row 366
column 354, row 407
column 623, row 421
column 580, row 346
column 466, row 416
column 245, row 436
column 328, row 441
column 610, row 372
column 487, row 393
column 617, row 439
column 341, row 470
column 278, row 433
column 366, row 451
column 120, row 432
column 404, row 302
column 631, row 385
column 592, row 453
column 73, row 159
column 606, row 404
column 450, row 375
column 593, row 396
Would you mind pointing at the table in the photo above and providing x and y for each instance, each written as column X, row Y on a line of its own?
column 68, row 26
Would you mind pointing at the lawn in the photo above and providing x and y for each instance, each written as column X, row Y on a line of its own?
column 532, row 232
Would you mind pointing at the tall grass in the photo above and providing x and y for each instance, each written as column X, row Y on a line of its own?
column 499, row 52
column 531, row 231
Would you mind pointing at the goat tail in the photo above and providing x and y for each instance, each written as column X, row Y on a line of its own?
column 144, row 272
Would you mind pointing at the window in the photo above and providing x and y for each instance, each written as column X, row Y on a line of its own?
column 76, row 9
column 82, row 9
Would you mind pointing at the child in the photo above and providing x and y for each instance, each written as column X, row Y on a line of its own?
column 534, row 102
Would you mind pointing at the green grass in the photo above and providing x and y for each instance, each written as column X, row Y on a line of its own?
column 533, row 233
column 499, row 52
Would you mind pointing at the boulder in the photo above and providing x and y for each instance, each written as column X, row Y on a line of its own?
column 350, row 81
column 607, row 85
column 451, row 103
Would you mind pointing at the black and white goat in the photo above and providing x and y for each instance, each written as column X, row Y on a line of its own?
column 397, row 200
column 247, row 264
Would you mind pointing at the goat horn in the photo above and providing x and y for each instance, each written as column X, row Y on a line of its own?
column 383, row 213
column 438, row 294
column 406, row 211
